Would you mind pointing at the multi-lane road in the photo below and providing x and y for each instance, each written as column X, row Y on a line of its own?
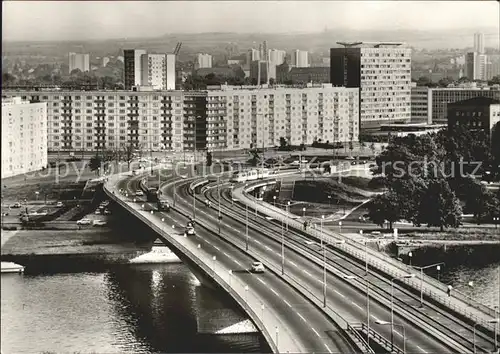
column 427, row 330
column 314, row 331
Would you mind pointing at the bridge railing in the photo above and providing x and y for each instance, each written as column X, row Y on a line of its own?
column 377, row 337
column 242, row 300
column 382, row 261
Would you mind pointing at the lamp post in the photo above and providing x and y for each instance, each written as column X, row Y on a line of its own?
column 405, row 276
column 496, row 219
column 230, row 276
column 282, row 250
column 303, row 212
column 287, row 210
column 438, row 268
column 492, row 320
column 277, row 332
column 329, row 201
column 379, row 322
column 422, row 279
column 231, row 188
column 410, row 255
column 218, row 201
column 246, row 293
column 274, row 200
column 214, row 258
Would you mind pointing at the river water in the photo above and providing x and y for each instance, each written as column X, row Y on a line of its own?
column 149, row 308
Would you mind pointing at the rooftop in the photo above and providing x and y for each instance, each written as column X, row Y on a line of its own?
column 372, row 44
column 475, row 101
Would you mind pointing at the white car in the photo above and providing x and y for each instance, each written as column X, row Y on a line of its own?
column 84, row 222
column 257, row 267
column 97, row 212
column 105, row 203
column 139, row 193
column 99, row 222
column 59, row 204
column 190, row 231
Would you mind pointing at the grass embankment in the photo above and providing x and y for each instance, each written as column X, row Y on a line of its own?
column 461, row 234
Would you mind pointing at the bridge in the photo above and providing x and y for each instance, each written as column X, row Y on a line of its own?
column 336, row 298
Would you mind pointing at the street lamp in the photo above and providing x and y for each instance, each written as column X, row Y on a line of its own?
column 496, row 219
column 218, row 200
column 287, row 210
column 405, row 276
column 246, row 293
column 303, row 212
column 230, row 276
column 422, row 279
column 282, row 250
column 232, row 200
column 492, row 320
column 410, row 255
column 274, row 199
column 214, row 258
column 438, row 268
column 340, row 226
column 384, row 323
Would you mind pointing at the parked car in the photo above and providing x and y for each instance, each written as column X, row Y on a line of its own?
column 107, row 212
column 105, row 203
column 84, row 222
column 99, row 222
column 257, row 267
column 15, row 206
column 97, row 212
column 59, row 204
column 139, row 193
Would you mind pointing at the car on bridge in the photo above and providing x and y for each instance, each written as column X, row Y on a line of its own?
column 257, row 267
column 84, row 222
column 189, row 231
column 139, row 193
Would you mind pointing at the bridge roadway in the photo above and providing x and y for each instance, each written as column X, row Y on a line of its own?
column 289, row 322
column 342, row 298
column 475, row 312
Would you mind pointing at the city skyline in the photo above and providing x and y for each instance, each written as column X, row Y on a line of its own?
column 107, row 20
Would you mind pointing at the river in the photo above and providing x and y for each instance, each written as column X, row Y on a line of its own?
column 150, row 308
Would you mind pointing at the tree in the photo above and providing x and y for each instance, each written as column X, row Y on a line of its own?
column 445, row 81
column 209, row 158
column 384, row 207
column 479, row 201
column 283, row 143
column 95, row 162
column 128, row 152
column 372, row 148
column 439, row 206
column 8, row 79
column 494, row 81
column 255, row 157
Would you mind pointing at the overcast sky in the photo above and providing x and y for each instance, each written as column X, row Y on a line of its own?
column 61, row 20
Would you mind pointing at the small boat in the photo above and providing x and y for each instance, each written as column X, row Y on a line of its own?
column 11, row 267
column 159, row 254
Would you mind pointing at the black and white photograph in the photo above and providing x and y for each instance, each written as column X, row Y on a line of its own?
column 250, row 177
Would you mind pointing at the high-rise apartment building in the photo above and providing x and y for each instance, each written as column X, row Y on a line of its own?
column 479, row 43
column 476, row 66
column 431, row 104
column 276, row 56
column 382, row 71
column 79, row 61
column 225, row 118
column 204, row 61
column 300, row 59
column 154, row 71
column 252, row 55
column 171, row 75
column 478, row 113
column 132, row 67
column 24, row 136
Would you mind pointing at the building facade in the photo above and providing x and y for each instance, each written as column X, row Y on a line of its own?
column 479, row 42
column 24, row 136
column 132, row 67
column 105, row 61
column 476, row 66
column 154, row 71
column 276, row 56
column 382, row 71
column 263, row 70
column 300, row 59
column 318, row 75
column 478, row 113
column 204, row 61
column 79, row 61
column 433, row 102
column 223, row 118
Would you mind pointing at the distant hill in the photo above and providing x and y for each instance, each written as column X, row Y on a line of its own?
column 216, row 43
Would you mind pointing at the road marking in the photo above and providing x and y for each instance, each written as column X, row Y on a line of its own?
column 359, row 307
column 225, row 254
column 302, row 317
column 275, row 293
column 375, row 318
column 217, row 248
column 419, row 347
column 235, row 261
column 339, row 293
column 262, row 281
column 268, row 248
column 329, row 350
column 286, row 302
column 399, row 334
column 316, row 332
column 293, row 263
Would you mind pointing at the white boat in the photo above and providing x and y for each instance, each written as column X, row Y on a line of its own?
column 11, row 267
column 159, row 254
